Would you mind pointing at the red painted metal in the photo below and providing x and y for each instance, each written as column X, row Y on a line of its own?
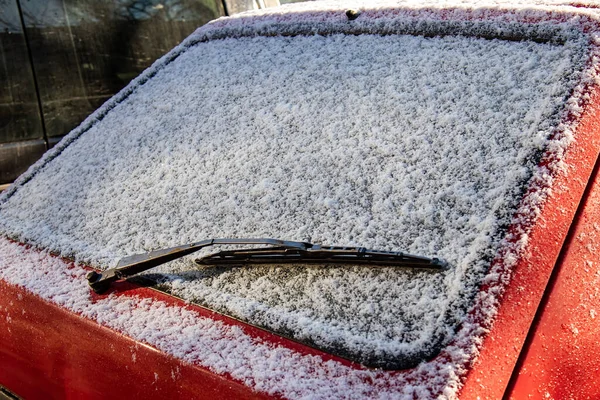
column 48, row 352
column 490, row 375
column 563, row 359
column 125, row 288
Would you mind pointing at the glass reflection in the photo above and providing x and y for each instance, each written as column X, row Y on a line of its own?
column 19, row 112
column 85, row 51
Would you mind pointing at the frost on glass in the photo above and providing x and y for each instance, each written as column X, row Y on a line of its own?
column 397, row 142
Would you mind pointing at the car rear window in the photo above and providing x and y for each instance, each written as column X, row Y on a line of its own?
column 394, row 142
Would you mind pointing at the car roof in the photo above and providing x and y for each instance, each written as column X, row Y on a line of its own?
column 303, row 124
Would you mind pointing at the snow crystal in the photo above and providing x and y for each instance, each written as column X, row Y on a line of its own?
column 394, row 142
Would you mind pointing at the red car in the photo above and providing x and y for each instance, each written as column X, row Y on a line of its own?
column 406, row 195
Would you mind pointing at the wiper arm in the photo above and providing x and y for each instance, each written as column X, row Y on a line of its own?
column 279, row 251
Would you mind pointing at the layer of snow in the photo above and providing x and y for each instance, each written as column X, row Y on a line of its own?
column 396, row 143
column 222, row 348
column 426, row 151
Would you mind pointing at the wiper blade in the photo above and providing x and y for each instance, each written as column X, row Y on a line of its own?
column 314, row 253
column 279, row 251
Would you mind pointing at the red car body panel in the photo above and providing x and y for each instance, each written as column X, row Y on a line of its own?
column 544, row 339
column 562, row 356
column 518, row 306
column 48, row 352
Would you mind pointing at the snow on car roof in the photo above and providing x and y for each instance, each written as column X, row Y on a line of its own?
column 421, row 140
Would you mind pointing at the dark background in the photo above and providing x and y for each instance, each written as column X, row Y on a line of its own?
column 61, row 59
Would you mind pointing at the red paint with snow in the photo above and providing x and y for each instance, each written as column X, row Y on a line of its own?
column 48, row 352
column 562, row 359
column 502, row 346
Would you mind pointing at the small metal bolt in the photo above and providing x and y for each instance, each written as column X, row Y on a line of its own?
column 352, row 14
column 92, row 276
column 96, row 283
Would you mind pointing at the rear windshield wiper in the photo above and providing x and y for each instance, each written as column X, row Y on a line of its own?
column 278, row 251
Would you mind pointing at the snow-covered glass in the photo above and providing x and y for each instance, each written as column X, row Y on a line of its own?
column 393, row 142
